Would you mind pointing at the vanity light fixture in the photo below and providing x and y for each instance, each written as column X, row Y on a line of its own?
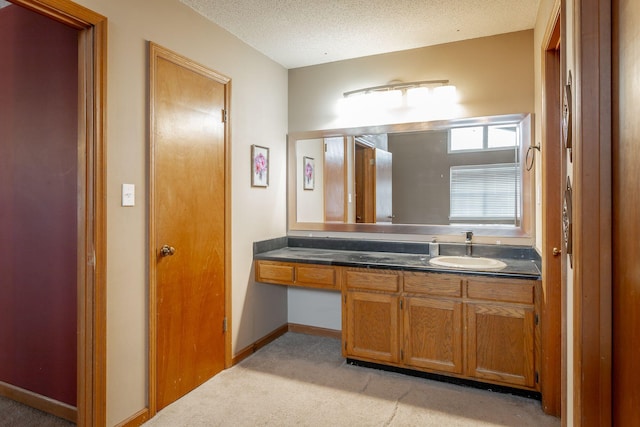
column 402, row 86
column 419, row 94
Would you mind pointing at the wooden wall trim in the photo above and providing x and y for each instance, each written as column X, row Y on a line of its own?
column 152, row 335
column 99, row 404
column 552, row 179
column 277, row 333
column 136, row 419
column 65, row 11
column 257, row 345
column 91, row 375
column 592, row 214
column 38, row 401
column 314, row 330
column 228, row 282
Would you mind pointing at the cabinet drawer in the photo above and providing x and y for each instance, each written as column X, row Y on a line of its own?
column 376, row 280
column 274, row 272
column 305, row 275
column 506, row 290
column 317, row 276
column 432, row 284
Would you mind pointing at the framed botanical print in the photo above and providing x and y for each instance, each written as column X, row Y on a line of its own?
column 259, row 166
column 309, row 173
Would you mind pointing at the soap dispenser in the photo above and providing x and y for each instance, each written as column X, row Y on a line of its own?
column 434, row 248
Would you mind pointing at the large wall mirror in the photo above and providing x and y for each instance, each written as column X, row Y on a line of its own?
column 428, row 178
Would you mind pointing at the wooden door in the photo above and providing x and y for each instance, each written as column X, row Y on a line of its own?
column 500, row 343
column 365, row 184
column 433, row 334
column 335, row 169
column 188, row 223
column 384, row 190
column 626, row 227
column 372, row 326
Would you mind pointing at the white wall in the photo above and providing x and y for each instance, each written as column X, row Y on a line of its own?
column 325, row 312
column 258, row 116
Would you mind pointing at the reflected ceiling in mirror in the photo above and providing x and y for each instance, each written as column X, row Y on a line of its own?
column 435, row 178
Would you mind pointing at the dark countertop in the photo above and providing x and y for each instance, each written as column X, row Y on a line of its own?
column 521, row 262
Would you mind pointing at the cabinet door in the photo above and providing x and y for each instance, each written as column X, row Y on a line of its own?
column 372, row 326
column 433, row 334
column 500, row 342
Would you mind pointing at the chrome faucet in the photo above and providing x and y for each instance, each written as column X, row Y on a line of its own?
column 469, row 236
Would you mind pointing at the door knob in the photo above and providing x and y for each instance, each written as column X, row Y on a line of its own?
column 167, row 250
column 556, row 252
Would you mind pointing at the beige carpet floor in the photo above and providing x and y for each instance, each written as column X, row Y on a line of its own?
column 302, row 380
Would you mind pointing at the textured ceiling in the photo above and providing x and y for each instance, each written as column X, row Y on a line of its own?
column 297, row 33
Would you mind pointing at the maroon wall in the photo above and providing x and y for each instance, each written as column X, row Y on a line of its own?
column 38, row 203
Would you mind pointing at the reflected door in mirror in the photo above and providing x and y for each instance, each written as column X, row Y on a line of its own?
column 384, row 187
column 335, row 173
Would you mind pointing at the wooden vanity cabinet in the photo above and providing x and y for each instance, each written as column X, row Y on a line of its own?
column 476, row 327
column 298, row 274
column 501, row 331
column 481, row 328
column 432, row 322
column 433, row 334
column 371, row 314
column 372, row 326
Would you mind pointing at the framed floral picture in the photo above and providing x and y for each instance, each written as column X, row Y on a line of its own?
column 309, row 173
column 259, row 166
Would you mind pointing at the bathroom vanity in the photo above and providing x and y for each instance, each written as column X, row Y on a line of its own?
column 400, row 310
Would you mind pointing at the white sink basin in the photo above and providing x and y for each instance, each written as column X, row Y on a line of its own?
column 467, row 262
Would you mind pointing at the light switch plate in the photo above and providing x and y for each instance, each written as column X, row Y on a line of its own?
column 128, row 195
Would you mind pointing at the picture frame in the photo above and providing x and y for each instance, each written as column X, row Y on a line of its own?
column 308, row 173
column 259, row 166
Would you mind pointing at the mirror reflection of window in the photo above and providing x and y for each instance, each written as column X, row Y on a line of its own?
column 485, row 194
column 502, row 136
column 466, row 139
column 478, row 138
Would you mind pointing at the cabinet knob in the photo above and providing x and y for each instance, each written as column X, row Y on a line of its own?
column 556, row 252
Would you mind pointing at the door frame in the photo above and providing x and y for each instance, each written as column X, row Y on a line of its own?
column 92, row 244
column 553, row 366
column 156, row 51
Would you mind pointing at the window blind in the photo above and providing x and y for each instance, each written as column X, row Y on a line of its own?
column 485, row 192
